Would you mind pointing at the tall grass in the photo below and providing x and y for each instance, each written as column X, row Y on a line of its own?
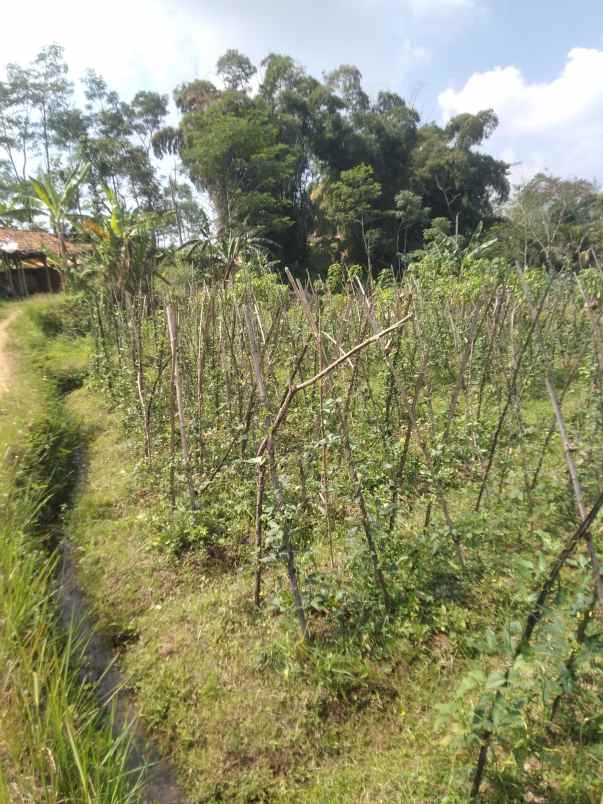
column 56, row 743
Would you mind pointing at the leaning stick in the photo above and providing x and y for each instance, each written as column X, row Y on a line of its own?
column 532, row 621
column 294, row 389
column 567, row 450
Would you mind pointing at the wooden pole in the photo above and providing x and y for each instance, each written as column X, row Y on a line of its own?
column 172, row 323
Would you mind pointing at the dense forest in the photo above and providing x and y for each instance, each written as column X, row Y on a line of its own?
column 319, row 420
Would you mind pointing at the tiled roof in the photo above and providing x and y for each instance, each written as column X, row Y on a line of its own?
column 28, row 242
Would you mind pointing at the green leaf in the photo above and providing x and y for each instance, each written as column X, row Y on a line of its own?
column 115, row 223
column 42, row 193
column 495, row 680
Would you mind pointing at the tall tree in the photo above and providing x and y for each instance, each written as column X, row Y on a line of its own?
column 456, row 181
column 273, row 158
column 117, row 143
column 236, row 70
column 18, row 135
column 350, row 205
column 554, row 220
column 148, row 111
column 346, row 81
column 52, row 94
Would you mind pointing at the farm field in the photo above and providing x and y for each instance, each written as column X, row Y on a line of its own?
column 339, row 615
column 301, row 405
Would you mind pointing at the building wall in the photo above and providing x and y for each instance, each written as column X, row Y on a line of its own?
column 26, row 281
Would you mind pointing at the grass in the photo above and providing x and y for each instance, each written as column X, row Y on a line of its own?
column 247, row 713
column 56, row 745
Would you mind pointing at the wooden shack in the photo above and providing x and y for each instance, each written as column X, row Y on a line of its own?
column 26, row 257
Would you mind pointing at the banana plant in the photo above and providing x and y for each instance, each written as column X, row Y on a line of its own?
column 124, row 246
column 222, row 256
column 57, row 205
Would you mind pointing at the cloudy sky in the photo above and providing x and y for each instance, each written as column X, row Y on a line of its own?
column 537, row 63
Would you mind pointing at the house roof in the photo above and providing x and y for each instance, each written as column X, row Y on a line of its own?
column 24, row 243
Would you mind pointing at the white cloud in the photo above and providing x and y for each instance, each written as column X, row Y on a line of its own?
column 156, row 44
column 134, row 44
column 438, row 7
column 557, row 126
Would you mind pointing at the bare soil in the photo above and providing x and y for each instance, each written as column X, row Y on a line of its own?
column 5, row 357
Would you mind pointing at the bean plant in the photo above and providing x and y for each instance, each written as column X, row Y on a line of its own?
column 385, row 459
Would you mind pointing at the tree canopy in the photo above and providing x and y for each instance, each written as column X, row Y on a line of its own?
column 260, row 155
column 321, row 170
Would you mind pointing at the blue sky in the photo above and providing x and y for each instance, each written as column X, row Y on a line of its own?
column 538, row 64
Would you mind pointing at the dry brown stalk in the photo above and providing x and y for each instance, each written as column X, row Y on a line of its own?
column 172, row 322
column 567, row 449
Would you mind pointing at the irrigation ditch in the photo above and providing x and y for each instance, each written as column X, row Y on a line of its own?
column 110, row 685
column 50, row 455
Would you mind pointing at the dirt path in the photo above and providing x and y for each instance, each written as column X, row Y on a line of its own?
column 5, row 358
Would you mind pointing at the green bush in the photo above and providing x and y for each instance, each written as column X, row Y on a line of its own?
column 68, row 314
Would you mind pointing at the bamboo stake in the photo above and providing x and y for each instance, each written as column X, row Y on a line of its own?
column 567, row 450
column 512, row 390
column 172, row 323
column 294, row 389
column 532, row 621
column 276, row 486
